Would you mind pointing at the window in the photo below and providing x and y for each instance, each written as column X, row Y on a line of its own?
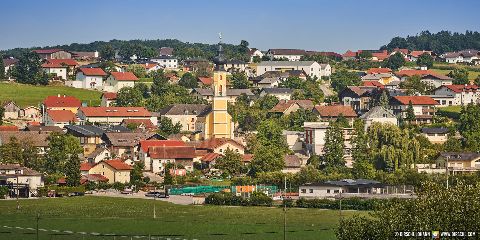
column 310, row 190
column 221, row 150
column 336, row 191
column 303, row 190
column 328, row 190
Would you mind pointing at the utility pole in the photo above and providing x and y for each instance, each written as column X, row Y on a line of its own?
column 447, row 170
column 17, row 193
column 154, row 198
column 285, row 209
column 38, row 218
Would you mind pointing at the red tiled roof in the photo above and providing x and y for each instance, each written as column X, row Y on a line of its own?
column 349, row 54
column 93, row 178
column 93, row 72
column 373, row 84
column 8, row 128
column 380, row 55
column 335, row 111
column 110, row 95
column 124, row 76
column 115, row 111
column 33, row 123
column 85, row 166
column 61, row 115
column 402, row 50
column 206, row 80
column 416, row 100
column 149, row 65
column 68, row 62
column 53, row 65
column 47, row 51
column 379, row 70
column 284, row 105
column 176, row 152
column 462, row 88
column 146, row 144
column 117, row 164
column 419, row 53
column 61, row 101
column 210, row 157
column 213, row 143
column 247, row 157
column 412, row 72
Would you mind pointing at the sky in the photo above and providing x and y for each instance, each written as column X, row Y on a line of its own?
column 322, row 25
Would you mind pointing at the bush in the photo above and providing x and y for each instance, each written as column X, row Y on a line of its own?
column 347, row 204
column 260, row 199
column 118, row 186
column 230, row 199
column 3, row 192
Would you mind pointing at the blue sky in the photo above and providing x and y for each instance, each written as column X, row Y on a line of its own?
column 328, row 25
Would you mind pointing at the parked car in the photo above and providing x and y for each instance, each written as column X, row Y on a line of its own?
column 156, row 194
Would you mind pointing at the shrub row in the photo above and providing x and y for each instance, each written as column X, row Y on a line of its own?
column 230, row 199
column 347, row 204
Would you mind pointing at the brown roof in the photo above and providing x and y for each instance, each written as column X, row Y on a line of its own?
column 419, row 53
column 282, row 106
column 379, row 70
column 210, row 157
column 146, row 144
column 110, row 95
column 26, row 171
column 47, row 51
column 458, row 88
column 93, row 72
column 61, row 101
column 213, row 143
column 292, row 161
column 287, row 51
column 335, row 111
column 124, row 76
column 416, row 100
column 47, row 129
column 115, row 111
column 247, row 157
column 36, row 138
column 8, row 128
column 206, row 80
column 126, row 139
column 68, row 62
column 412, row 72
column 93, row 178
column 117, row 164
column 85, row 166
column 61, row 115
column 172, row 152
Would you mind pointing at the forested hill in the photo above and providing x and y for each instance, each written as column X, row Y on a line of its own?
column 149, row 48
column 440, row 42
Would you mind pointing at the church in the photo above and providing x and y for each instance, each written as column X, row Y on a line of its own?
column 217, row 123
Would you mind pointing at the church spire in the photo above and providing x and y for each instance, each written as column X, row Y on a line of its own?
column 219, row 60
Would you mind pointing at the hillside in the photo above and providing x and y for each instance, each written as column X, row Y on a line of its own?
column 29, row 95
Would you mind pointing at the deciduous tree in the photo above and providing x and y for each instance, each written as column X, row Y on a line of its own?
column 231, row 163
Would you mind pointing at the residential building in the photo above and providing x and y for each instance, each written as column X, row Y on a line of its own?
column 286, row 107
column 119, row 80
column 123, row 144
column 155, row 154
column 113, row 115
column 53, row 54
column 360, row 98
column 12, row 110
column 219, row 145
column 255, row 53
column 31, row 113
column 311, row 68
column 166, row 62
column 115, row 170
column 165, row 51
column 108, row 99
column 231, row 94
column 235, row 66
column 436, row 80
column 404, row 74
column 205, row 81
column 290, row 54
column 281, row 93
column 464, row 56
column 458, row 162
column 435, row 135
column 88, row 78
column 335, row 189
column 456, row 95
column 70, row 63
column 100, row 153
column 333, row 112
column 185, row 114
column 383, row 78
column 414, row 55
column 86, row 56
column 26, row 181
column 59, row 118
column 379, row 114
column 60, row 102
column 423, row 107
column 293, row 163
column 9, row 63
column 59, row 71
column 90, row 136
column 36, row 139
column 151, row 66
column 294, row 140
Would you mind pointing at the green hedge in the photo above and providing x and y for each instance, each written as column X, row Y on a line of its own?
column 63, row 191
column 347, row 204
column 230, row 199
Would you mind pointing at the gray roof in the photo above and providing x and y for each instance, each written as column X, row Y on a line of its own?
column 285, row 63
column 25, row 171
column 96, row 152
column 378, row 112
column 347, row 182
column 269, row 80
column 277, row 90
column 34, row 128
column 85, row 130
column 184, row 109
column 435, row 130
column 126, row 139
column 460, row 156
column 230, row 92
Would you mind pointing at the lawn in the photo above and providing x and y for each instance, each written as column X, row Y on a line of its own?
column 133, row 217
column 471, row 74
column 29, row 95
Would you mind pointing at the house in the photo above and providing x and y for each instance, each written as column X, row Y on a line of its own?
column 280, row 93
column 231, row 94
column 139, row 124
column 360, row 98
column 436, row 80
column 12, row 110
column 61, row 102
column 157, row 153
column 349, row 55
column 123, row 144
column 290, row 54
column 294, row 140
column 43, row 129
column 268, row 82
column 165, row 51
column 255, row 53
column 379, row 70
column 311, row 68
column 26, row 181
column 414, row 55
column 70, row 63
column 464, row 56
column 108, row 99
column 31, row 113
column 218, row 145
column 53, row 54
column 345, row 187
column 315, row 133
column 115, row 170
column 456, row 95
column 380, row 56
column 59, row 118
column 9, row 63
column 402, row 51
column 293, row 164
column 208, row 160
column 406, row 73
column 193, row 64
column 85, row 56
column 36, row 139
column 423, row 107
column 458, row 162
column 96, row 178
column 151, row 66
column 235, row 66
column 85, row 167
column 377, row 55
column 99, row 154
column 88, row 78
column 286, row 107
column 383, row 78
column 166, row 62
column 185, row 114
column 119, row 80
column 379, row 114
column 90, row 136
column 333, row 112
column 58, row 70
column 205, row 81
column 435, row 135
column 113, row 115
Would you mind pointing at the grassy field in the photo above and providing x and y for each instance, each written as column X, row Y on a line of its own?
column 471, row 74
column 133, row 217
column 28, row 95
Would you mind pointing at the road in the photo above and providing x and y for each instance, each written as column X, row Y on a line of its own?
column 176, row 199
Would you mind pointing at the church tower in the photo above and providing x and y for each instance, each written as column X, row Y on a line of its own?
column 219, row 122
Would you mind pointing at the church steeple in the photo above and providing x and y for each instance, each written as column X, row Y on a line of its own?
column 219, row 60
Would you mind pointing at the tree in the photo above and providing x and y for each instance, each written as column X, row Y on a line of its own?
column 60, row 148
column 410, row 116
column 188, row 81
column 256, row 59
column 477, row 81
column 362, row 166
column 2, row 68
column 107, row 52
column 425, row 60
column 395, row 61
column 28, row 70
column 334, row 146
column 365, row 55
column 160, row 82
column 341, row 79
column 9, row 152
column 294, row 121
column 72, row 170
column 2, row 113
column 414, row 85
column 138, row 70
column 293, row 83
column 136, row 174
column 166, row 127
column 469, row 126
column 384, row 102
column 452, row 144
column 267, row 102
column 143, row 88
column 129, row 97
column 240, row 81
column 460, row 76
column 231, row 163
